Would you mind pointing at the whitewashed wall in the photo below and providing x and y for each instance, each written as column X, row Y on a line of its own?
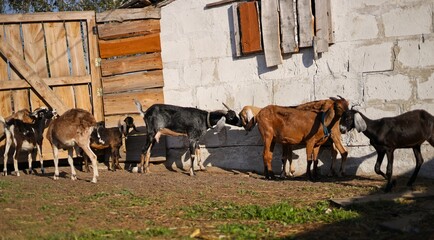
column 382, row 60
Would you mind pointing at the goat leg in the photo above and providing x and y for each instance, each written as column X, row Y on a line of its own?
column 380, row 158
column 193, row 151
column 56, row 162
column 71, row 164
column 308, row 174
column 16, row 161
column 419, row 161
column 6, row 153
column 389, row 170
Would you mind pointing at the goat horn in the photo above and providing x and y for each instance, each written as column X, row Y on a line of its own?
column 226, row 106
column 341, row 97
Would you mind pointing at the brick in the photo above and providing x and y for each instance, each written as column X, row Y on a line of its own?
column 408, row 20
column 371, row 58
column 387, row 87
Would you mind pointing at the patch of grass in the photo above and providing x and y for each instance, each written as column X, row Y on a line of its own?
column 95, row 197
column 244, row 231
column 247, row 192
column 114, row 234
column 282, row 212
column 5, row 184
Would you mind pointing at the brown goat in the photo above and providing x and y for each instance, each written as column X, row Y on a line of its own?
column 249, row 112
column 290, row 126
column 73, row 128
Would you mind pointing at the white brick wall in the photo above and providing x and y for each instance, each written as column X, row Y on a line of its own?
column 382, row 60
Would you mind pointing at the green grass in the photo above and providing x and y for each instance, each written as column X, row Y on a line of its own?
column 282, row 212
column 246, row 231
column 114, row 234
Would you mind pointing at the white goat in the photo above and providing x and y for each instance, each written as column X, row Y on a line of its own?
column 72, row 129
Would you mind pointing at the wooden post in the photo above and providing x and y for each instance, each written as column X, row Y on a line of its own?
column 31, row 77
column 322, row 25
column 95, row 71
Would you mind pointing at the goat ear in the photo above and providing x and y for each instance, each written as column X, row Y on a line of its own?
column 359, row 122
column 220, row 124
column 249, row 114
column 139, row 108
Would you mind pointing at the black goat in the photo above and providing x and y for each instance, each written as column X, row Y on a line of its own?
column 163, row 119
column 408, row 130
column 112, row 139
column 27, row 137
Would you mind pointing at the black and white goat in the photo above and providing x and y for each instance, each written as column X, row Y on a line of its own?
column 26, row 137
column 70, row 130
column 408, row 130
column 163, row 119
column 112, row 139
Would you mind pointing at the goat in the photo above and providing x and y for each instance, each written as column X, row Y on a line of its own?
column 72, row 129
column 23, row 115
column 249, row 112
column 408, row 130
column 163, row 119
column 26, row 136
column 290, row 126
column 110, row 138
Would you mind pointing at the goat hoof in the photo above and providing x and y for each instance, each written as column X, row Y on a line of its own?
column 5, row 173
column 56, row 177
column 17, row 174
column 42, row 170
column 74, row 177
column 93, row 180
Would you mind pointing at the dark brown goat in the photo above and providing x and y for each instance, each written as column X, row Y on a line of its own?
column 249, row 112
column 408, row 130
column 290, row 126
column 110, row 139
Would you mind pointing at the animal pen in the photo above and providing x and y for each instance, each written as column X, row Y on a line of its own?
column 99, row 62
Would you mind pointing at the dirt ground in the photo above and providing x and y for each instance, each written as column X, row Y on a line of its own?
column 36, row 206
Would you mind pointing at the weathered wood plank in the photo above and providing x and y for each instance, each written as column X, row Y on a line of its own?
column 288, row 26
column 131, row 64
column 78, row 65
column 250, row 27
column 123, row 103
column 120, row 15
column 322, row 13
column 270, row 32
column 5, row 96
column 45, row 16
column 52, row 82
column 128, row 29
column 236, row 26
column 20, row 97
column 131, row 82
column 129, row 46
column 31, row 77
column 305, row 23
column 95, row 70
column 57, row 52
column 34, row 52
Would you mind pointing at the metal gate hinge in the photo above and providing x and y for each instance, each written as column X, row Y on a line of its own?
column 99, row 92
column 97, row 62
column 95, row 30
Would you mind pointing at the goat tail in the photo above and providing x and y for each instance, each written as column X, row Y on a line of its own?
column 251, row 124
column 139, row 108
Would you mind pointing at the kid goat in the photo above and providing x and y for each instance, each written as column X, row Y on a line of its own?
column 290, row 126
column 163, row 119
column 112, row 139
column 72, row 129
column 408, row 130
column 26, row 136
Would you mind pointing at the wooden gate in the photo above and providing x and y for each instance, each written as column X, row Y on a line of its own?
column 49, row 59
